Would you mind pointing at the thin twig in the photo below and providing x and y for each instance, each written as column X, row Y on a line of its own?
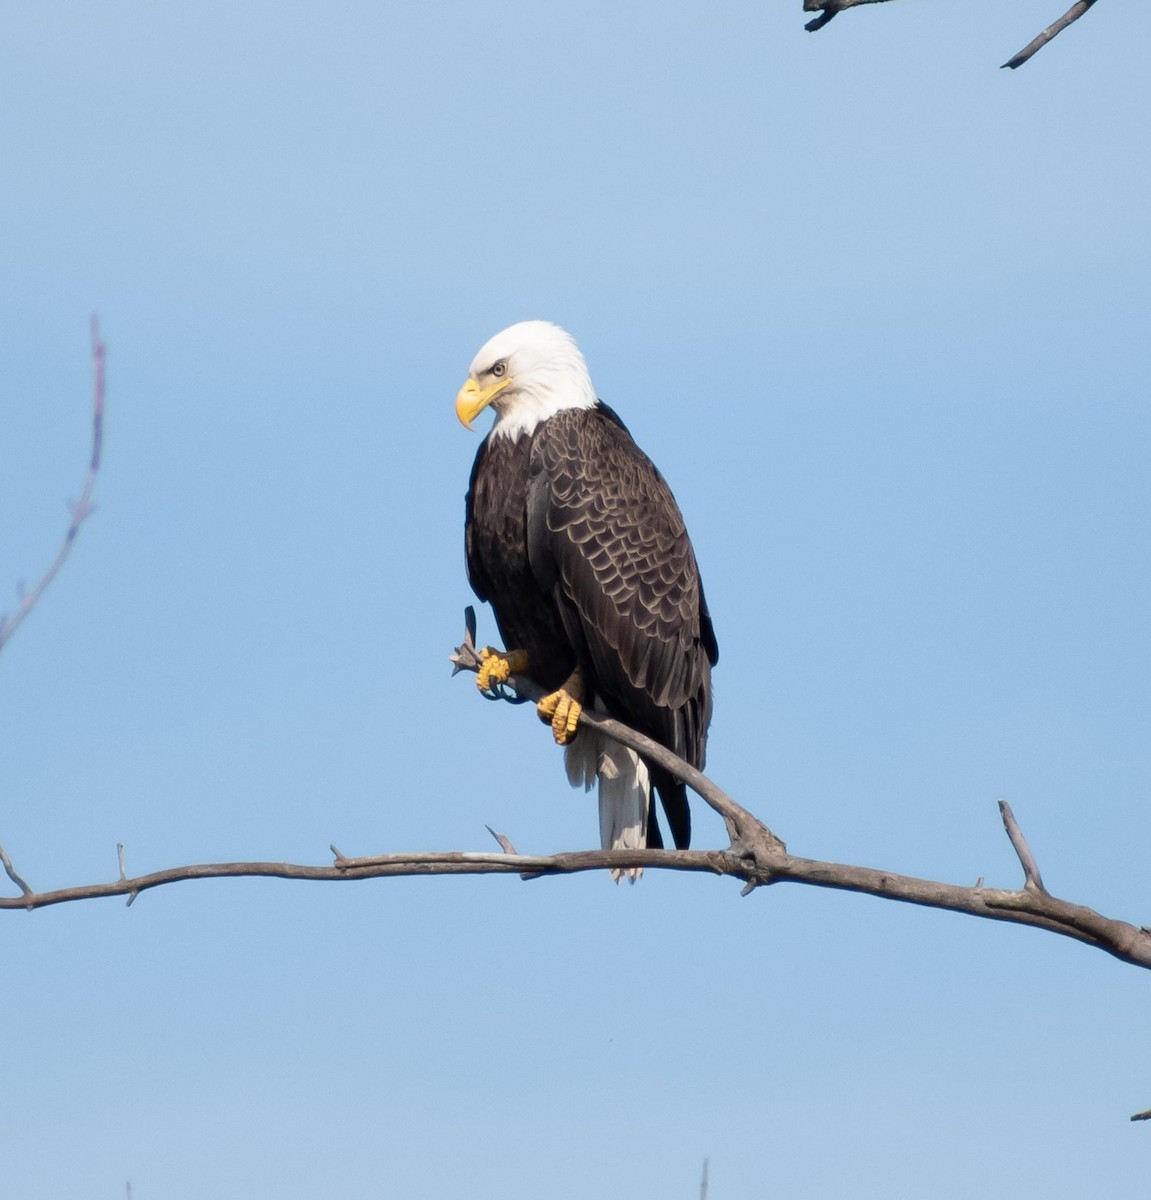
column 1145, row 1115
column 505, row 843
column 1069, row 17
column 507, row 847
column 82, row 509
column 1031, row 877
column 123, row 874
column 11, row 873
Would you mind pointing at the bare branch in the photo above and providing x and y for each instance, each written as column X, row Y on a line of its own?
column 1024, row 907
column 1032, row 880
column 756, row 857
column 452, row 862
column 1071, row 15
column 82, row 509
column 758, row 866
column 828, row 9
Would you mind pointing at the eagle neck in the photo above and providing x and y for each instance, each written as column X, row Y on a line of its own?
column 532, row 407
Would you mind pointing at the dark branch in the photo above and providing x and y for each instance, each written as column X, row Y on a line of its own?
column 1069, row 17
column 829, row 9
column 82, row 509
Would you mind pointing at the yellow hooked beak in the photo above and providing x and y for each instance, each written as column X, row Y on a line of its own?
column 473, row 399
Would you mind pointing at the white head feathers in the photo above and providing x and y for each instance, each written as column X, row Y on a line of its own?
column 527, row 373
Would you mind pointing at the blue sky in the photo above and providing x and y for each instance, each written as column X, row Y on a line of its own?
column 880, row 312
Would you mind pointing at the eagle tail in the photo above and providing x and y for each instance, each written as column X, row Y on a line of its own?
column 673, row 795
column 624, row 792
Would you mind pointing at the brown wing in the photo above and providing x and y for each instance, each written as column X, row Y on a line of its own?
column 605, row 533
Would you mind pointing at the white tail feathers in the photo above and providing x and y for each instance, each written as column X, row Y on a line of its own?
column 624, row 791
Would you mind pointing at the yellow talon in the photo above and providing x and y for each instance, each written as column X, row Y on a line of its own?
column 561, row 711
column 493, row 669
column 499, row 668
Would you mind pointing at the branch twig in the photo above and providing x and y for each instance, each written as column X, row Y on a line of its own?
column 10, row 871
column 82, row 509
column 1032, row 880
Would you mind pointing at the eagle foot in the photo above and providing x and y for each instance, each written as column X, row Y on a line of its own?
column 561, row 711
column 497, row 668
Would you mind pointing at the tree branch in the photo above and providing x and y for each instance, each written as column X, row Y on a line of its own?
column 1070, row 16
column 82, row 509
column 756, row 857
column 343, row 869
column 828, row 9
column 761, row 867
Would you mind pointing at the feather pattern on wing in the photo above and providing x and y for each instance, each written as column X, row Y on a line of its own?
column 605, row 535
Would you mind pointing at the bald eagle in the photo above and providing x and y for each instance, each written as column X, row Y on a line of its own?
column 577, row 542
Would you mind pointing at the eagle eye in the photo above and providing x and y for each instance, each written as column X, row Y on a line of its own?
column 500, row 368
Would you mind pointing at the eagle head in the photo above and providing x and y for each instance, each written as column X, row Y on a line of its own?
column 526, row 373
